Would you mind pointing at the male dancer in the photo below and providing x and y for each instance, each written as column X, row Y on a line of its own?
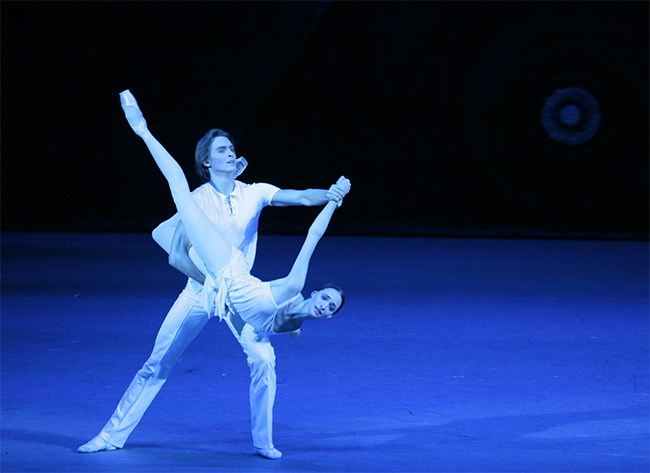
column 234, row 207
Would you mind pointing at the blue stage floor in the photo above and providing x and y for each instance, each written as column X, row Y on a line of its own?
column 450, row 355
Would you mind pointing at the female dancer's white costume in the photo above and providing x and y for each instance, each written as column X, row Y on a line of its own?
column 237, row 290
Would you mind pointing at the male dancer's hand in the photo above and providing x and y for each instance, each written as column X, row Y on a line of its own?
column 339, row 190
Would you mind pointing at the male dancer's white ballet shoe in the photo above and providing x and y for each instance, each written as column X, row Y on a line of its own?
column 133, row 113
column 270, row 453
column 97, row 444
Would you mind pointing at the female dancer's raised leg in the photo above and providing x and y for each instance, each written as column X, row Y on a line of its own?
column 213, row 249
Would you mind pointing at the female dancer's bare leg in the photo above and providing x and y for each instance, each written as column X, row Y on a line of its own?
column 213, row 249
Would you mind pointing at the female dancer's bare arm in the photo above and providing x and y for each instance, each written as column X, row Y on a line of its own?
column 286, row 288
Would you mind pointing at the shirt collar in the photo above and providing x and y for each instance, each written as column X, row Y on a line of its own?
column 234, row 192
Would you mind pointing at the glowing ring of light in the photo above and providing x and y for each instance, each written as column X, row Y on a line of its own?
column 571, row 116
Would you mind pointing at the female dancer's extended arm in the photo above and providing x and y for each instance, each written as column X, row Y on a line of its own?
column 213, row 249
column 286, row 288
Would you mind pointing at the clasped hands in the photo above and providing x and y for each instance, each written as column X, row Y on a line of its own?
column 339, row 190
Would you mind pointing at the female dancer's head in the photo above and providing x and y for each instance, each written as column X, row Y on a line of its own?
column 204, row 151
column 326, row 301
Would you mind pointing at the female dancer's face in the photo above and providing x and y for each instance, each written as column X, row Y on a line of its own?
column 325, row 302
column 222, row 155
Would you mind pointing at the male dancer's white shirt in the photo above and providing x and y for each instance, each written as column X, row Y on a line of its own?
column 236, row 215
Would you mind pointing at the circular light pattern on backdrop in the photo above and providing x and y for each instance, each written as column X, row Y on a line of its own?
column 571, row 116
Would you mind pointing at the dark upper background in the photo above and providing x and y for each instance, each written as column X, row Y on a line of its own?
column 432, row 109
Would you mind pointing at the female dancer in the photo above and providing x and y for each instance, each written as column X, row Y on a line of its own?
column 270, row 307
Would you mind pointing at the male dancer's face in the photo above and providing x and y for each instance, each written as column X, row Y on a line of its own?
column 222, row 156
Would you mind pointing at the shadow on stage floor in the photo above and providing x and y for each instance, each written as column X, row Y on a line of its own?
column 450, row 355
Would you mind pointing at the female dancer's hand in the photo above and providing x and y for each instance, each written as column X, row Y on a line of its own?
column 339, row 190
column 133, row 114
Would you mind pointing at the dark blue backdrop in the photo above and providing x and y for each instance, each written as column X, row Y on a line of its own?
column 433, row 109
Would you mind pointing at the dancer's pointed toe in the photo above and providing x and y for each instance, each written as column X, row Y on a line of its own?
column 127, row 99
column 133, row 113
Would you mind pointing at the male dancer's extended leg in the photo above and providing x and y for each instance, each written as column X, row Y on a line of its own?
column 184, row 321
column 261, row 361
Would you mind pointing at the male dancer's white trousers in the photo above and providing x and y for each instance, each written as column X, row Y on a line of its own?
column 183, row 323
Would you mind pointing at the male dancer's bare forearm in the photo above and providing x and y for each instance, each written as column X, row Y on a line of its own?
column 307, row 197
column 336, row 192
column 313, row 197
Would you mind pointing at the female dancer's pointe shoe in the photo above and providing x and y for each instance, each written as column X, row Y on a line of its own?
column 97, row 444
column 132, row 111
column 270, row 453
